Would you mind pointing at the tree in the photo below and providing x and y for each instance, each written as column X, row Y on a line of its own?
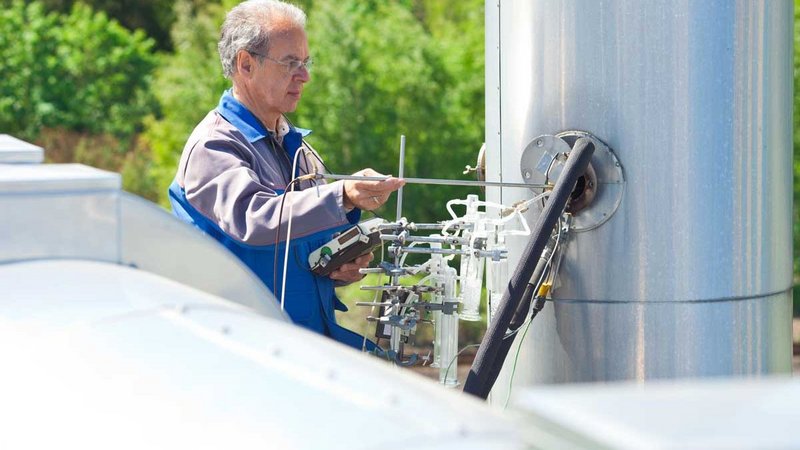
column 81, row 71
column 187, row 84
column 796, row 122
column 153, row 17
column 380, row 74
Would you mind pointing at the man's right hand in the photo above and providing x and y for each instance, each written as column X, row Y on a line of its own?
column 369, row 195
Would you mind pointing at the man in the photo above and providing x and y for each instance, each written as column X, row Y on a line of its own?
column 235, row 175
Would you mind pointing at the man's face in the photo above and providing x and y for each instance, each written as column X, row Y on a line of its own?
column 277, row 88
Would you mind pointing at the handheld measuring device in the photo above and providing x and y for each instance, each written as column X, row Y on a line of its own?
column 347, row 246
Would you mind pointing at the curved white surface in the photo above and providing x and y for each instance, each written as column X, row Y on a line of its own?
column 98, row 355
column 687, row 414
column 154, row 240
column 72, row 211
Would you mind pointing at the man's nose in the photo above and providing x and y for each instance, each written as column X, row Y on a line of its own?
column 302, row 74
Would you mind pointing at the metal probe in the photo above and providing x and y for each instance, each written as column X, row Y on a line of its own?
column 332, row 176
column 400, row 175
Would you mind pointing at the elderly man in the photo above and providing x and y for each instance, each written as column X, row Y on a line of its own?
column 235, row 178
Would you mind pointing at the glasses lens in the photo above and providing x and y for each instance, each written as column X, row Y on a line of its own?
column 294, row 65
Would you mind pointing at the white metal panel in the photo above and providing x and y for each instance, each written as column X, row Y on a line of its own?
column 58, row 211
column 493, row 135
column 59, row 293
column 668, row 415
column 15, row 151
column 49, row 178
column 155, row 241
column 109, row 356
column 73, row 211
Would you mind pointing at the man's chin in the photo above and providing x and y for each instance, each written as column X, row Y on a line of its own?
column 291, row 106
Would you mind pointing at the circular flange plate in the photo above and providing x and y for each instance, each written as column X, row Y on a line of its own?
column 537, row 166
column 538, row 156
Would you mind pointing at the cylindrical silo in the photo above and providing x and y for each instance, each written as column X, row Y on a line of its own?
column 691, row 274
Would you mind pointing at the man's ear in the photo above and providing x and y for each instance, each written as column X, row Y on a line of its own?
column 245, row 63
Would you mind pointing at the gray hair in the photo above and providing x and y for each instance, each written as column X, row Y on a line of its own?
column 248, row 26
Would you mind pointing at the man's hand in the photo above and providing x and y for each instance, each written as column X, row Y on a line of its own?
column 369, row 195
column 348, row 272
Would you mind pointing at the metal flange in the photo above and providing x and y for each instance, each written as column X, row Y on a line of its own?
column 598, row 193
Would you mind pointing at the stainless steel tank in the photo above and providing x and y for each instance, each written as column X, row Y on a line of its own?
column 691, row 275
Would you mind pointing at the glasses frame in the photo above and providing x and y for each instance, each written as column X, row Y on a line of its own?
column 293, row 65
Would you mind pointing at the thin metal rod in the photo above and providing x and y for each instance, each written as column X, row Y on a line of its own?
column 428, row 251
column 451, row 240
column 332, row 176
column 412, row 226
column 400, row 175
column 494, row 254
column 425, row 226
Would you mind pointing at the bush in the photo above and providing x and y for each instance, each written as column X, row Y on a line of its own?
column 796, row 183
column 81, row 72
column 380, row 73
column 187, row 84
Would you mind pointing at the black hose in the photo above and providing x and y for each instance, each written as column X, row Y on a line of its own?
column 518, row 319
column 490, row 357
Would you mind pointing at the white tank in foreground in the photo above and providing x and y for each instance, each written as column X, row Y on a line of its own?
column 103, row 355
column 121, row 327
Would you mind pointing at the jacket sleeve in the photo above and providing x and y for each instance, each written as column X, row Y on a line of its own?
column 221, row 185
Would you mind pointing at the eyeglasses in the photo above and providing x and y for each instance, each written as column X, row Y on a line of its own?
column 293, row 65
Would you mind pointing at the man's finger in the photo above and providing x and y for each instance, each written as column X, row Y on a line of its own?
column 349, row 267
column 345, row 275
column 363, row 260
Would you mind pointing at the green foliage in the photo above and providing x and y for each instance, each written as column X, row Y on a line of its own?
column 79, row 71
column 356, row 317
column 379, row 74
column 154, row 17
column 188, row 83
column 796, row 123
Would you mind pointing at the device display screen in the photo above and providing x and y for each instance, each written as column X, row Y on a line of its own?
column 347, row 236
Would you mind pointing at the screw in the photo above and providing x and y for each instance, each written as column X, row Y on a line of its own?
column 527, row 174
column 539, row 143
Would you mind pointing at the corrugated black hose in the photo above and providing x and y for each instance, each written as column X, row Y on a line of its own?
column 490, row 357
column 518, row 319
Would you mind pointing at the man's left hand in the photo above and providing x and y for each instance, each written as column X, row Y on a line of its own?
column 348, row 273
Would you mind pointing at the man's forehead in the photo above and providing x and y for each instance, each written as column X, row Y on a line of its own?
column 285, row 29
column 289, row 40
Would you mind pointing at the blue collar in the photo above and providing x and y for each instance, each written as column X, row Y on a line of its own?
column 239, row 116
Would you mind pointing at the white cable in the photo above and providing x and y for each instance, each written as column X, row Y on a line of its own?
column 289, row 228
column 449, row 206
column 525, row 204
column 526, row 231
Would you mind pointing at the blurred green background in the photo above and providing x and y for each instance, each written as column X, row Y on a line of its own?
column 120, row 84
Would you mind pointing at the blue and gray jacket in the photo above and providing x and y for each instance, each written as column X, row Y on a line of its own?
column 231, row 184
